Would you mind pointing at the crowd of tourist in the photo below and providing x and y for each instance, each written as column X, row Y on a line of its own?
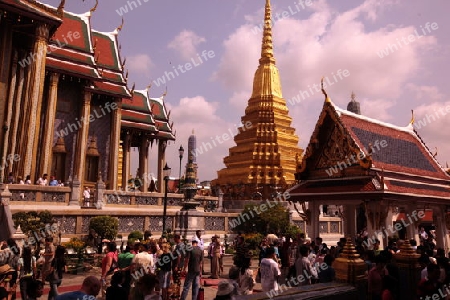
column 152, row 269
column 43, row 180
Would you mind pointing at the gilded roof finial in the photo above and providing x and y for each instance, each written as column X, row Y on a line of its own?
column 60, row 8
column 95, row 7
column 327, row 99
column 267, row 44
column 412, row 117
column 121, row 25
column 353, row 96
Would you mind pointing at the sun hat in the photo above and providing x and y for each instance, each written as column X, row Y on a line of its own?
column 224, row 288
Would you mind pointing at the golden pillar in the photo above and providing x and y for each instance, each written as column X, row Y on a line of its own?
column 6, row 33
column 407, row 261
column 5, row 164
column 114, row 149
column 126, row 161
column 143, row 164
column 17, row 110
column 82, row 137
column 162, row 144
column 37, row 79
column 50, row 114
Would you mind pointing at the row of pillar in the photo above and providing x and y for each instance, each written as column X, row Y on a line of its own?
column 143, row 172
column 382, row 218
column 24, row 134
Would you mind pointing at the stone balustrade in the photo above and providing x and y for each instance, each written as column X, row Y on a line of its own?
column 39, row 194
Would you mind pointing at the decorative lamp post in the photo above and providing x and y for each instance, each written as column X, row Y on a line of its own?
column 166, row 174
column 181, row 152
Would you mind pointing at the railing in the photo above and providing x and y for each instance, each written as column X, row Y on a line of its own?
column 37, row 193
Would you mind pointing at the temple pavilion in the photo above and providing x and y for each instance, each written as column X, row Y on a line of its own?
column 383, row 175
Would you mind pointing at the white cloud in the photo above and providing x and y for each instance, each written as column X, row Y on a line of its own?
column 185, row 43
column 201, row 115
column 139, row 63
column 320, row 45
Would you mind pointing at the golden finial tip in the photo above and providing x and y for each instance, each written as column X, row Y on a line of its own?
column 412, row 117
column 327, row 99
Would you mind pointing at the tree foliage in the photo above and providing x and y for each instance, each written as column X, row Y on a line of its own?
column 105, row 226
column 136, row 235
column 274, row 219
column 33, row 221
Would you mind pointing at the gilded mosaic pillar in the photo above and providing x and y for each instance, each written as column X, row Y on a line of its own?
column 143, row 164
column 114, row 146
column 6, row 33
column 4, row 160
column 50, row 114
column 126, row 161
column 37, row 79
column 350, row 220
column 161, row 162
column 82, row 137
column 17, row 110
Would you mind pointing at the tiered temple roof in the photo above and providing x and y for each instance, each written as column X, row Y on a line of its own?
column 77, row 50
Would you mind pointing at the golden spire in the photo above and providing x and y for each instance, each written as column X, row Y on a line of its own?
column 412, row 117
column 267, row 44
column 267, row 80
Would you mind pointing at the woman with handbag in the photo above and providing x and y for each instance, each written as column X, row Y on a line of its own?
column 58, row 266
column 27, row 271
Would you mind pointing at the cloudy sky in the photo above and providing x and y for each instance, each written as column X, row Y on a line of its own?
column 396, row 52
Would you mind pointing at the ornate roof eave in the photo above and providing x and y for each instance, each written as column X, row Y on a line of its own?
column 35, row 10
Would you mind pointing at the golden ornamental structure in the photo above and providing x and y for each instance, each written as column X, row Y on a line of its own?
column 264, row 158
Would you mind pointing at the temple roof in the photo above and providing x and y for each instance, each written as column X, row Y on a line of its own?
column 161, row 118
column 77, row 50
column 405, row 151
column 395, row 162
column 33, row 9
column 136, row 112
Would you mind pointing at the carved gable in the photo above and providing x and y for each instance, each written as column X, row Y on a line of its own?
column 336, row 149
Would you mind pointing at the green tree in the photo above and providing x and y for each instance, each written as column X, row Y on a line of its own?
column 34, row 221
column 136, row 235
column 105, row 226
column 275, row 219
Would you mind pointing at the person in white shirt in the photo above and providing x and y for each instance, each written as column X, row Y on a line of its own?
column 42, row 180
column 270, row 272
column 87, row 196
column 303, row 266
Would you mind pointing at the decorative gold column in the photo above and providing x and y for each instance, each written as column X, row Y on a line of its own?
column 350, row 220
column 50, row 114
column 37, row 74
column 6, row 33
column 9, row 112
column 82, row 137
column 17, row 109
column 143, row 164
column 162, row 144
column 114, row 146
column 126, row 161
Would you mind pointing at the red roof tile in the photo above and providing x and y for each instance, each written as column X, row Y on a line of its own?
column 403, row 150
column 74, row 33
column 115, row 90
column 106, row 50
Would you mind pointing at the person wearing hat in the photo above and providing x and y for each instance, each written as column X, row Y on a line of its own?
column 224, row 291
column 192, row 261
